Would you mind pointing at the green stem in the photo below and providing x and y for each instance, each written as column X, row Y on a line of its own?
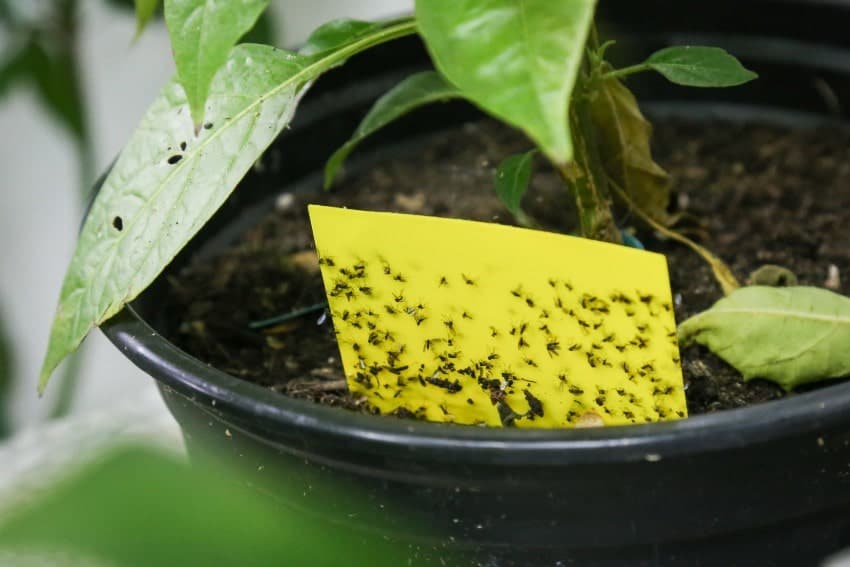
column 625, row 72
column 586, row 175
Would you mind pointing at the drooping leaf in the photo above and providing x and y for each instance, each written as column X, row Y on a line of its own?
column 789, row 335
column 623, row 136
column 168, row 181
column 696, row 66
column 512, row 178
column 413, row 92
column 138, row 506
column 516, row 59
column 145, row 10
column 202, row 34
column 336, row 33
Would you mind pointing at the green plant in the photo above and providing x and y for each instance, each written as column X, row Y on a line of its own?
column 141, row 506
column 537, row 65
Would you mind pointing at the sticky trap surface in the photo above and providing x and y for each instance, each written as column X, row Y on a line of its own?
column 479, row 323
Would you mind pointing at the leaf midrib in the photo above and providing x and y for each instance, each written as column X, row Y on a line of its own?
column 783, row 313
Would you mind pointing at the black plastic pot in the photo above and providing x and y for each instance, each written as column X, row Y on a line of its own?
column 764, row 485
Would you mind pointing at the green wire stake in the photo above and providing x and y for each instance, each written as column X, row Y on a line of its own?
column 294, row 314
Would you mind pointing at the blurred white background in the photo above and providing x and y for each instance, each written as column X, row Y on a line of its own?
column 40, row 208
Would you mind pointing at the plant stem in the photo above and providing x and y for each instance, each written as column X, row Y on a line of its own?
column 625, row 72
column 722, row 273
column 587, row 177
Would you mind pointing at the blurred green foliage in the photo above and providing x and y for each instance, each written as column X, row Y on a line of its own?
column 137, row 506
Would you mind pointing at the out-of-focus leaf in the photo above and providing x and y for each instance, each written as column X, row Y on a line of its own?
column 623, row 136
column 516, row 59
column 696, row 66
column 512, row 178
column 169, row 180
column 141, row 507
column 202, row 35
column 54, row 75
column 57, row 79
column 789, row 335
column 413, row 92
column 16, row 68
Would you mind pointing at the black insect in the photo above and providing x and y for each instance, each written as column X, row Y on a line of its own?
column 553, row 348
column 467, row 280
column 535, row 406
column 443, row 281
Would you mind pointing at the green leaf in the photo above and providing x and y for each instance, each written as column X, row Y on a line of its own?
column 54, row 76
column 160, row 193
column 145, row 9
column 791, row 335
column 413, row 92
column 202, row 35
column 335, row 34
column 16, row 68
column 694, row 66
column 512, row 178
column 138, row 506
column 624, row 136
column 57, row 80
column 516, row 59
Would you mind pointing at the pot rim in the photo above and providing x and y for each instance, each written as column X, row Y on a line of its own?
column 226, row 396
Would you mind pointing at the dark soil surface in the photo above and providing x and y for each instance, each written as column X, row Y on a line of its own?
column 755, row 195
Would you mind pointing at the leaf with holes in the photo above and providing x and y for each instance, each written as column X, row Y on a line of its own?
column 624, row 143
column 791, row 335
column 413, row 92
column 516, row 59
column 169, row 181
column 202, row 33
column 696, row 66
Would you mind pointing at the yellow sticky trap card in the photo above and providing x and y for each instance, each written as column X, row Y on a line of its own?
column 477, row 323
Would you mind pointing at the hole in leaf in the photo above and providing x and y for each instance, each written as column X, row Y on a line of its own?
column 174, row 159
column 118, row 223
